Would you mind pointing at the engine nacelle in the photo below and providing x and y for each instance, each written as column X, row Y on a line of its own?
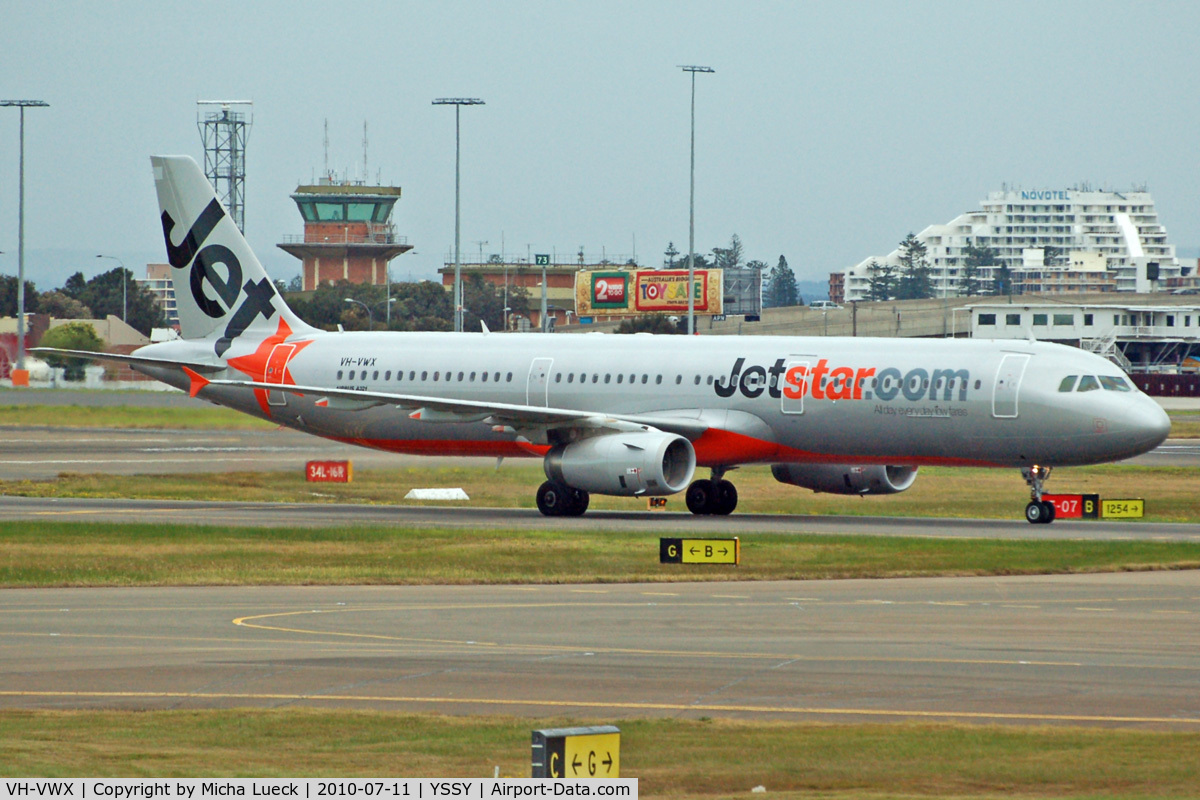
column 634, row 463
column 846, row 478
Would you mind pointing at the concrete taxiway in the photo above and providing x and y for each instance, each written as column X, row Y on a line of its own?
column 292, row 515
column 1114, row 650
column 42, row 453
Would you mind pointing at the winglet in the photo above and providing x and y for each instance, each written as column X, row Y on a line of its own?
column 198, row 382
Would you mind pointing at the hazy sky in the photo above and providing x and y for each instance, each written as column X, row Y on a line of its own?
column 828, row 132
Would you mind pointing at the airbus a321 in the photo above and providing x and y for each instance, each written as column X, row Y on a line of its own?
column 634, row 415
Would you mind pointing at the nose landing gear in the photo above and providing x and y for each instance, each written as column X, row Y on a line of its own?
column 1038, row 511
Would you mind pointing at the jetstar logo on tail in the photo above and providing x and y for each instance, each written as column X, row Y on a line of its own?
column 823, row 382
column 204, row 276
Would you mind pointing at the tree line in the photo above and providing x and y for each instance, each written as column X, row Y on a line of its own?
column 779, row 282
column 114, row 292
column 913, row 278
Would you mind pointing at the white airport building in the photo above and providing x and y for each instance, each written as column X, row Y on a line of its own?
column 1108, row 241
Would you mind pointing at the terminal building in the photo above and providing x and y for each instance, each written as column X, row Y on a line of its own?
column 348, row 232
column 1053, row 242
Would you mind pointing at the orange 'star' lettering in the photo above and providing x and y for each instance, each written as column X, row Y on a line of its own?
column 795, row 386
column 818, row 375
column 839, row 384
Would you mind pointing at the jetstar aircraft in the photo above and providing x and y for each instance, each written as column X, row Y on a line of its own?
column 634, row 415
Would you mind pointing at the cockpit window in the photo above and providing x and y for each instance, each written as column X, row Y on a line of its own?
column 1088, row 383
column 1114, row 384
column 1068, row 383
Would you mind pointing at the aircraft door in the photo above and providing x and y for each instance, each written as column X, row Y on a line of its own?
column 276, row 369
column 795, row 384
column 537, row 388
column 1008, row 384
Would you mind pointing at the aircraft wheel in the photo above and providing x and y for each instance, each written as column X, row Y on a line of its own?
column 726, row 498
column 579, row 502
column 699, row 497
column 1036, row 513
column 554, row 499
column 1051, row 512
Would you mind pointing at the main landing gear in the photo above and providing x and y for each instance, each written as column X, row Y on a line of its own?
column 1038, row 511
column 716, row 496
column 556, row 499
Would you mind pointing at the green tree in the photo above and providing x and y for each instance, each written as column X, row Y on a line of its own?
column 8, row 296
column 60, row 306
column 670, row 253
column 71, row 336
column 781, row 287
column 1002, row 285
column 729, row 257
column 1052, row 256
column 881, row 281
column 974, row 258
column 915, row 281
column 757, row 265
column 116, row 292
column 650, row 323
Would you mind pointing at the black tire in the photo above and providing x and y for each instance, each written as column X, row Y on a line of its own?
column 553, row 499
column 579, row 502
column 726, row 499
column 1035, row 513
column 699, row 497
column 1050, row 512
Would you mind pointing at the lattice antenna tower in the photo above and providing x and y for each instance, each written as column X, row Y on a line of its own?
column 224, row 132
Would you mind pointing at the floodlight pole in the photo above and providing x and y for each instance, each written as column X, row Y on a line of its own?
column 21, row 104
column 124, row 288
column 457, row 102
column 691, row 290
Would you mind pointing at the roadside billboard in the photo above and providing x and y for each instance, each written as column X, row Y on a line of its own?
column 646, row 291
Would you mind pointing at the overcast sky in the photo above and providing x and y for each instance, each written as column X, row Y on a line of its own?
column 828, row 132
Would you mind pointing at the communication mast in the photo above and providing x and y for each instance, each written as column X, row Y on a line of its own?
column 224, row 133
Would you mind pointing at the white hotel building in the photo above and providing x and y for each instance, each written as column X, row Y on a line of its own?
column 1110, row 241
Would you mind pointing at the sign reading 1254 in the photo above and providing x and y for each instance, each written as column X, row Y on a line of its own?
column 610, row 290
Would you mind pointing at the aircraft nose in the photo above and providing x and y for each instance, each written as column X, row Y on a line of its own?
column 1150, row 424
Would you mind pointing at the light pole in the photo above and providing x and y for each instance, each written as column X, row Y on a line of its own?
column 457, row 102
column 370, row 316
column 21, row 104
column 124, row 290
column 692, row 208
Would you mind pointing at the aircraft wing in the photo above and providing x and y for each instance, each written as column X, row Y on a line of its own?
column 441, row 409
column 199, row 366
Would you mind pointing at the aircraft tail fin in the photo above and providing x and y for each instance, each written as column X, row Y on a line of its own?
column 221, row 289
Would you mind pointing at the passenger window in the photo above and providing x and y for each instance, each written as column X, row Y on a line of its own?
column 424, row 374
column 435, row 375
column 339, row 375
column 607, row 377
column 697, row 380
column 351, row 375
column 412, row 374
column 678, row 379
column 1088, row 383
column 484, row 376
column 658, row 379
column 1114, row 384
column 978, row 384
column 596, row 378
column 558, row 377
column 710, row 380
column 570, row 377
column 645, row 377
column 472, row 377
column 375, row 375
column 620, row 377
column 1068, row 383
column 387, row 376
column 508, row 377
column 460, row 376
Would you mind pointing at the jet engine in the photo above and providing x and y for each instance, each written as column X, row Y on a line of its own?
column 646, row 462
column 845, row 478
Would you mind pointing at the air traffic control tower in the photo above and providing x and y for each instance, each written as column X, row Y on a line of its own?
column 348, row 233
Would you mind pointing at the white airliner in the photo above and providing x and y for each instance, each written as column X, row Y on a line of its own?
column 634, row 415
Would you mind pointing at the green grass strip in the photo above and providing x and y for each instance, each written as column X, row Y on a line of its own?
column 671, row 758
column 111, row 554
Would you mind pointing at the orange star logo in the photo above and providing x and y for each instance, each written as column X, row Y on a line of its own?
column 268, row 363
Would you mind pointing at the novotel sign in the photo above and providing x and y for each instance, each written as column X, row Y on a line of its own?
column 1046, row 194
